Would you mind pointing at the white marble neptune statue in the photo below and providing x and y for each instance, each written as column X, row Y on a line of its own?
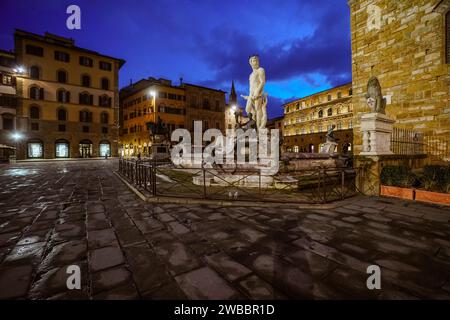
column 257, row 99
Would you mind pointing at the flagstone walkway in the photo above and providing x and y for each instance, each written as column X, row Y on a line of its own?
column 57, row 214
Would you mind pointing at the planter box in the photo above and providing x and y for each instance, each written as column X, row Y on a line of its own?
column 434, row 197
column 397, row 192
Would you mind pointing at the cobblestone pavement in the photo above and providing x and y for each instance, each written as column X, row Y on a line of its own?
column 56, row 214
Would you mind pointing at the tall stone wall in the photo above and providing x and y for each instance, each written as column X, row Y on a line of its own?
column 402, row 42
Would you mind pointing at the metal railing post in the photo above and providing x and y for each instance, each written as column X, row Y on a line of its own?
column 204, row 183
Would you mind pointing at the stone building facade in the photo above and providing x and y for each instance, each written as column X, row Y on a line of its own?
column 144, row 102
column 306, row 120
column 178, row 106
column 9, row 122
column 206, row 105
column 68, row 98
column 406, row 45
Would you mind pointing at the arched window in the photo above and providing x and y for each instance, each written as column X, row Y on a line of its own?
column 104, row 101
column 34, row 112
column 61, row 76
column 35, row 149
column 36, row 93
column 347, row 147
column 320, row 113
column 339, row 125
column 35, row 72
column 105, row 148
column 85, row 80
column 105, row 84
column 62, row 114
column 104, row 117
column 63, row 95
column 8, row 121
column 61, row 148
column 329, row 112
column 350, row 92
column 85, row 116
column 86, row 98
column 320, row 128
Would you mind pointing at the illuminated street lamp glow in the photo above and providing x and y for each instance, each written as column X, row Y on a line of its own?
column 19, row 69
column 153, row 93
column 16, row 136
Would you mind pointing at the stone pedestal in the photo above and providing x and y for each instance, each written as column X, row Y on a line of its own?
column 376, row 129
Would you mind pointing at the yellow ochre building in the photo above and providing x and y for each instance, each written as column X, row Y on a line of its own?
column 68, row 98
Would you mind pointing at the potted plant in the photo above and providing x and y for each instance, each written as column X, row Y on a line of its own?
column 396, row 181
column 436, row 185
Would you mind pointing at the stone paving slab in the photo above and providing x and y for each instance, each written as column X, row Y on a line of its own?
column 53, row 215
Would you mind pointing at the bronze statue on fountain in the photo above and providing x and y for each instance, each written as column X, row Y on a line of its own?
column 159, row 135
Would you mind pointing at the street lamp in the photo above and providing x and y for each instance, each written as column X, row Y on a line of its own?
column 17, row 136
column 19, row 69
column 153, row 94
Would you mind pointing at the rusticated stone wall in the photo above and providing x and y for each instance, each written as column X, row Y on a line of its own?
column 403, row 44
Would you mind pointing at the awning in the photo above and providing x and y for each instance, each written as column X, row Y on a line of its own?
column 4, row 146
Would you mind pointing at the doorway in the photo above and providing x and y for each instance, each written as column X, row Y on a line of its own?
column 85, row 149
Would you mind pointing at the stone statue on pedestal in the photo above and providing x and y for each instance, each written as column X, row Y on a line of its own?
column 376, row 126
column 375, row 99
column 330, row 142
column 257, row 99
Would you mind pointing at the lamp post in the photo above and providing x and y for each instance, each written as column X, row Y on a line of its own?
column 153, row 94
column 17, row 136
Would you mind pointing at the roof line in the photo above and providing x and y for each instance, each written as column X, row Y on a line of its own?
column 44, row 39
column 318, row 92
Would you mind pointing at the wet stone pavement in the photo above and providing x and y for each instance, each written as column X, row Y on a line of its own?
column 57, row 214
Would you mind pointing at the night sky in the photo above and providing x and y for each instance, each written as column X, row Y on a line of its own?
column 304, row 45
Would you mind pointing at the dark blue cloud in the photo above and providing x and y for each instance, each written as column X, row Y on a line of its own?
column 304, row 45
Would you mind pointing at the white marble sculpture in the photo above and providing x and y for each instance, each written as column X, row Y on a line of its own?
column 257, row 99
column 376, row 126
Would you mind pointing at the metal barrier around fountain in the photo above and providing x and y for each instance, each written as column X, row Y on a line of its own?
column 314, row 185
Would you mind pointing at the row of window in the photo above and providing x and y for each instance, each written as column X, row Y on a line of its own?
column 35, row 148
column 313, row 101
column 206, row 105
column 61, row 113
column 193, row 103
column 8, row 101
column 62, row 77
column 161, row 95
column 34, row 126
column 139, row 128
column 346, row 147
column 161, row 109
column 63, row 96
column 320, row 114
column 320, row 128
column 65, row 57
